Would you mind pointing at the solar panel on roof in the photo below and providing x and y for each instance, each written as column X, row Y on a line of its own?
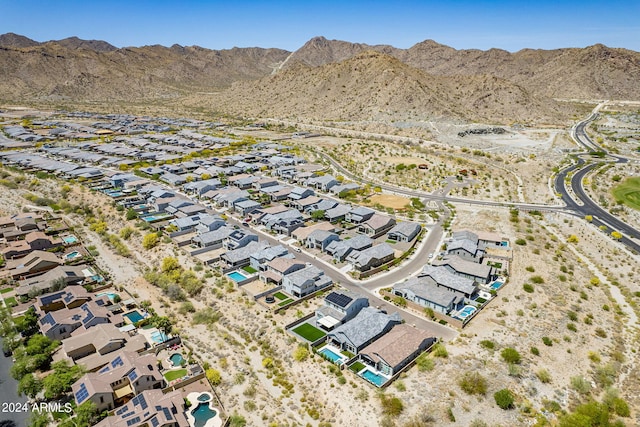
column 105, row 369
column 167, row 413
column 133, row 421
column 122, row 410
column 82, row 393
column 47, row 319
column 154, row 422
column 339, row 299
column 48, row 299
column 88, row 318
column 68, row 297
column 132, row 375
column 142, row 401
column 117, row 362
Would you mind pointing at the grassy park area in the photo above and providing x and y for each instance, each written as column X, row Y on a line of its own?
column 628, row 192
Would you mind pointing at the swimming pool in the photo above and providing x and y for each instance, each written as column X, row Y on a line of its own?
column 133, row 316
column 109, row 295
column 72, row 255
column 202, row 414
column 331, row 355
column 373, row 378
column 466, row 312
column 158, row 337
column 496, row 285
column 237, row 276
column 176, row 359
column 70, row 239
column 153, row 218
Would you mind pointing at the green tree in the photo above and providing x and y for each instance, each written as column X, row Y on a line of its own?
column 163, row 323
column 150, row 241
column 214, row 377
column 317, row 215
column 59, row 382
column 504, row 398
column 29, row 385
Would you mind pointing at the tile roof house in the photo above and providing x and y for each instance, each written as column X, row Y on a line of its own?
column 238, row 239
column 259, row 259
column 461, row 267
column 128, row 374
column 102, row 339
column 242, row 256
column 212, row 239
column 337, row 213
column 70, row 297
column 377, row 225
column 404, row 231
column 301, row 234
column 372, row 257
column 443, row 278
column 339, row 307
column 34, row 263
column 150, row 408
column 429, row 295
column 276, row 269
column 359, row 215
column 342, row 248
column 324, row 182
column 305, row 281
column 298, row 193
column 367, row 326
column 320, row 239
column 246, row 207
column 395, row 350
column 69, row 274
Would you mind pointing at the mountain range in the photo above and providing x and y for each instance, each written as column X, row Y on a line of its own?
column 323, row 80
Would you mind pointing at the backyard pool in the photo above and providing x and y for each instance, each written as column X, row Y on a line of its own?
column 176, row 359
column 109, row 295
column 72, row 255
column 158, row 337
column 331, row 355
column 133, row 316
column 373, row 378
column 466, row 312
column 70, row 239
column 236, row 276
column 204, row 397
column 202, row 414
column 496, row 285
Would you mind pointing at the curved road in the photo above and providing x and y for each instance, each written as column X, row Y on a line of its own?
column 588, row 206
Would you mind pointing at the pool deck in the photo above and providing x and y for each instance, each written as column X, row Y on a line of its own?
column 212, row 422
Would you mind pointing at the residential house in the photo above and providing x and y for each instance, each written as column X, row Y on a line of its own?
column 169, row 410
column 324, row 182
column 263, row 183
column 70, row 297
column 58, row 325
column 443, row 278
column 277, row 268
column 127, row 375
column 305, row 281
column 367, row 326
column 298, row 193
column 404, row 231
column 241, row 257
column 238, row 239
column 481, row 273
column 102, row 339
column 304, row 204
column 245, row 207
column 320, row 239
column 339, row 250
column 173, row 179
column 301, row 234
column 343, row 188
column 377, row 225
column 209, row 223
column 259, row 260
column 429, row 295
column 337, row 213
column 396, row 349
column 372, row 257
column 212, row 239
column 339, row 307
column 58, row 277
column 359, row 215
column 36, row 262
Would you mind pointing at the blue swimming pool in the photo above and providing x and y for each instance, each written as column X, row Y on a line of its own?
column 496, row 285
column 69, row 240
column 202, row 414
column 373, row 378
column 176, row 359
column 466, row 312
column 237, row 276
column 72, row 255
column 109, row 295
column 158, row 337
column 335, row 358
column 134, row 316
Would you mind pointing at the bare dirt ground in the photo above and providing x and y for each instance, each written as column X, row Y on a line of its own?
column 390, row 201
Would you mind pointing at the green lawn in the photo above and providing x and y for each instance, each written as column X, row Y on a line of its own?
column 5, row 290
column 309, row 332
column 249, row 269
column 280, row 296
column 285, row 302
column 357, row 367
column 628, row 192
column 11, row 302
column 172, row 375
column 391, row 241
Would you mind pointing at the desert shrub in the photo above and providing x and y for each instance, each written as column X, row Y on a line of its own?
column 510, row 355
column 473, row 383
column 504, row 398
column 488, row 344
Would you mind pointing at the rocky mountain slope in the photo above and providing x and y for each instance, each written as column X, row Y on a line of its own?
column 323, row 80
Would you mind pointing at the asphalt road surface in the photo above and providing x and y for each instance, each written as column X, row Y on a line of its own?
column 8, row 395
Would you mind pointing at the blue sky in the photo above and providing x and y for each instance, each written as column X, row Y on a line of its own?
column 481, row 24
